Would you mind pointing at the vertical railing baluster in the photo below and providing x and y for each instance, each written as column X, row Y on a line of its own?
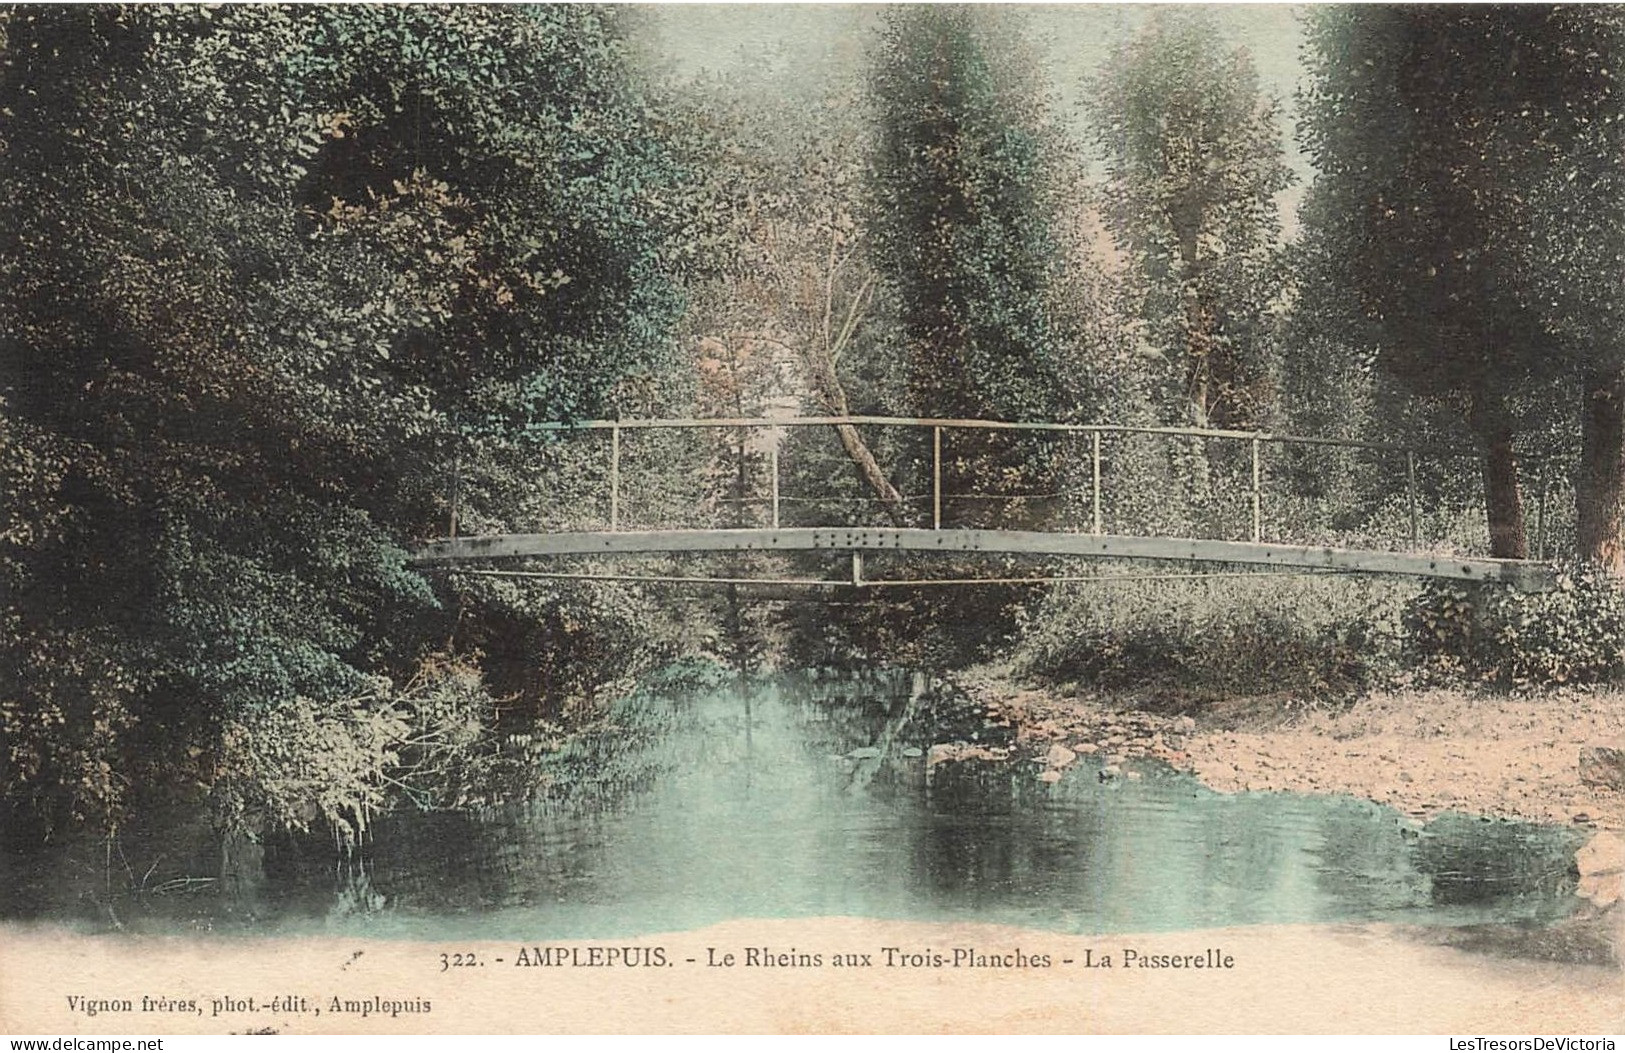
column 1258, row 517
column 936, row 477
column 773, row 462
column 1540, row 516
column 1410, row 491
column 456, row 486
column 615, row 477
column 1095, row 459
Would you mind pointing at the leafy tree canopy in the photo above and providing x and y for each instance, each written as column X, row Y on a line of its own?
column 265, row 270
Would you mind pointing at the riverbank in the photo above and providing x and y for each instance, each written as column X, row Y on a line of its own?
column 1421, row 752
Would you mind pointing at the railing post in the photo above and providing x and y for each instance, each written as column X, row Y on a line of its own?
column 936, row 477
column 773, row 463
column 857, row 567
column 1095, row 464
column 1540, row 517
column 1410, row 491
column 615, row 477
column 456, row 486
column 1258, row 518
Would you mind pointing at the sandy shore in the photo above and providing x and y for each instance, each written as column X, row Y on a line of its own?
column 1421, row 752
column 1283, row 979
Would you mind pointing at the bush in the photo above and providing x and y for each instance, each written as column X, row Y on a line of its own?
column 1573, row 634
column 344, row 761
column 1314, row 638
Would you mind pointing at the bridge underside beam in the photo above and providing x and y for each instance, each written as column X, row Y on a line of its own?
column 1521, row 574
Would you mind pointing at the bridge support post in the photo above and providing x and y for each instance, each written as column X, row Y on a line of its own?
column 936, row 477
column 615, row 478
column 1258, row 517
column 1095, row 464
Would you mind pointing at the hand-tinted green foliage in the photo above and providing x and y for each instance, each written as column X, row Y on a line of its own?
column 962, row 215
column 344, row 760
column 1573, row 131
column 1193, row 169
column 1432, row 129
column 1414, row 195
column 1574, row 634
column 1310, row 640
column 266, row 272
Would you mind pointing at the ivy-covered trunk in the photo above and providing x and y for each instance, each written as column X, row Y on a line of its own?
column 1600, row 487
column 1503, row 500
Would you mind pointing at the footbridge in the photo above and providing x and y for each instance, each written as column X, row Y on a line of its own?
column 730, row 474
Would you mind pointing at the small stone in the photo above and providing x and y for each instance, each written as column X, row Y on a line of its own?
column 1059, row 756
column 1049, row 775
column 1603, row 766
column 1601, row 863
column 864, row 753
column 912, row 751
column 1185, row 724
column 1086, row 748
column 1133, row 776
column 1110, row 771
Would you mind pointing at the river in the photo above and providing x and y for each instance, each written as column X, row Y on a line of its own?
column 812, row 795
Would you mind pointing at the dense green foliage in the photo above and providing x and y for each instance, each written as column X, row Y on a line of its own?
column 959, row 216
column 268, row 273
column 284, row 290
column 963, row 219
column 1574, row 634
column 1301, row 640
column 1465, row 200
column 1193, row 167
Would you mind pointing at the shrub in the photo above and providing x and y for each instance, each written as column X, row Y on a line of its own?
column 1573, row 634
column 346, row 760
column 1310, row 637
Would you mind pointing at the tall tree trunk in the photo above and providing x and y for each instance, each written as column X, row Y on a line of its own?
column 834, row 396
column 1198, row 347
column 1503, row 500
column 869, row 468
column 1600, row 487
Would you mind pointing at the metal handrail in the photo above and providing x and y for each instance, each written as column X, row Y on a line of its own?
column 993, row 425
column 1255, row 439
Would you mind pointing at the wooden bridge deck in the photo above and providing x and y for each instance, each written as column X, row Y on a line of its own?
column 1522, row 574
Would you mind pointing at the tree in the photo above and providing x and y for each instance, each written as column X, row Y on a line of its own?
column 1566, row 139
column 270, row 270
column 794, row 294
column 961, row 210
column 1418, row 204
column 1193, row 167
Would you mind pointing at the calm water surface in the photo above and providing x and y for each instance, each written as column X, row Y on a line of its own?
column 804, row 797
